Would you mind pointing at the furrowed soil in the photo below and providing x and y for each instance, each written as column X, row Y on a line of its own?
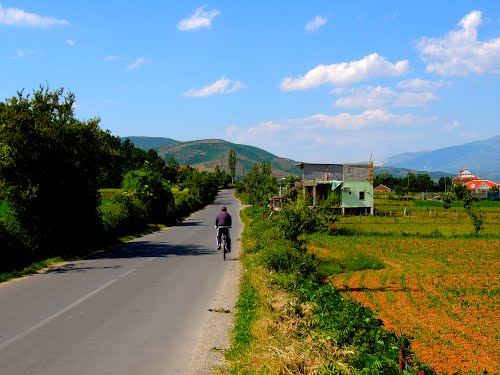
column 445, row 293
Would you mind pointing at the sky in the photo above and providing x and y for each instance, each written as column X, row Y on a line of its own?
column 320, row 81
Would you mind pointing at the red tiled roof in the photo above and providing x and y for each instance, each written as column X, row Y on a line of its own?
column 475, row 184
column 382, row 187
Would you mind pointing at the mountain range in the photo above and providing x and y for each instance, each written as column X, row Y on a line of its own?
column 481, row 158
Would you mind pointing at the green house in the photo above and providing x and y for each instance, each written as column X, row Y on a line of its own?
column 355, row 182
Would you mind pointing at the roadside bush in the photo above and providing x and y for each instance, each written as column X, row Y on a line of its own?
column 124, row 214
column 295, row 219
column 284, row 257
column 185, row 204
column 152, row 190
column 13, row 251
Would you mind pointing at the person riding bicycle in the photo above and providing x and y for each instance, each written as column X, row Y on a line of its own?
column 223, row 222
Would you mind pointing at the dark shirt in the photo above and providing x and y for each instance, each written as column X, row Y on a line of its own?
column 223, row 219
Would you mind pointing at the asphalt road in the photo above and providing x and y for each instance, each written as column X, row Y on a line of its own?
column 138, row 309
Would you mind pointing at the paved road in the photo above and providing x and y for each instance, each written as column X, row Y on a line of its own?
column 138, row 309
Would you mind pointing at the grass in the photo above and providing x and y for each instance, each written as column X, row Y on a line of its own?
column 247, row 308
column 33, row 268
column 107, row 195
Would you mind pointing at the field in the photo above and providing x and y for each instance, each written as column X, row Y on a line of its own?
column 440, row 284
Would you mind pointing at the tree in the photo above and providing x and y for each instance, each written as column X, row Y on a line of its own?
column 148, row 185
column 386, row 179
column 259, row 185
column 475, row 215
column 49, row 170
column 222, row 178
column 424, row 182
column 112, row 167
column 232, row 159
column 170, row 170
column 445, row 184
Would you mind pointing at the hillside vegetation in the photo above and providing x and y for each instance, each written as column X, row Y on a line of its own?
column 147, row 143
column 208, row 153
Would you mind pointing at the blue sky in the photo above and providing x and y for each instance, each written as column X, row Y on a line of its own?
column 316, row 81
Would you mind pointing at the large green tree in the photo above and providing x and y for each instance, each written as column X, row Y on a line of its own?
column 49, row 170
column 232, row 159
column 258, row 185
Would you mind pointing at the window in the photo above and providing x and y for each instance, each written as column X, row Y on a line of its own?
column 361, row 195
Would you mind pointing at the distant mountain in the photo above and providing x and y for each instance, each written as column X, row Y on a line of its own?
column 208, row 153
column 403, row 172
column 481, row 158
column 147, row 143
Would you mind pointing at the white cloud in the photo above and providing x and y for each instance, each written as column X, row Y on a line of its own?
column 111, row 58
column 315, row 23
column 383, row 97
column 371, row 66
column 460, row 52
column 201, row 18
column 452, row 125
column 418, row 84
column 221, row 86
column 70, row 42
column 344, row 137
column 20, row 53
column 369, row 118
column 137, row 63
column 15, row 16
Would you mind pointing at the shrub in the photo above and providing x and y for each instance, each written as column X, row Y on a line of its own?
column 295, row 219
column 152, row 190
column 13, row 252
column 123, row 214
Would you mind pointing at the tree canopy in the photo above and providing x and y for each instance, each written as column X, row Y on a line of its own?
column 47, row 158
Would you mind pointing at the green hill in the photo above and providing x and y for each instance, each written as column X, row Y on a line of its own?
column 147, row 143
column 208, row 153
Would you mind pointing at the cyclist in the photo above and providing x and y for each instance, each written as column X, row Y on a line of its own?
column 223, row 222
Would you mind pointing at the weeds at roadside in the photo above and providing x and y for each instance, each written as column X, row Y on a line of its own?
column 33, row 268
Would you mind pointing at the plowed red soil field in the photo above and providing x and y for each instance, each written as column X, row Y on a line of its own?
column 445, row 293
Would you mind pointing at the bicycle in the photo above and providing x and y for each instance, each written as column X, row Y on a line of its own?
column 224, row 241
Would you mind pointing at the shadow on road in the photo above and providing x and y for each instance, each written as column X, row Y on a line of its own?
column 72, row 267
column 138, row 249
column 147, row 249
column 190, row 223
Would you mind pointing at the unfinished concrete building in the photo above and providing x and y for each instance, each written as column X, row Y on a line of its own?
column 355, row 182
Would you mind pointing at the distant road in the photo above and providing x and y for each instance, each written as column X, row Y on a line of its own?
column 139, row 309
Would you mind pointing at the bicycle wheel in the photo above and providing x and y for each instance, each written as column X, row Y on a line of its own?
column 224, row 245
